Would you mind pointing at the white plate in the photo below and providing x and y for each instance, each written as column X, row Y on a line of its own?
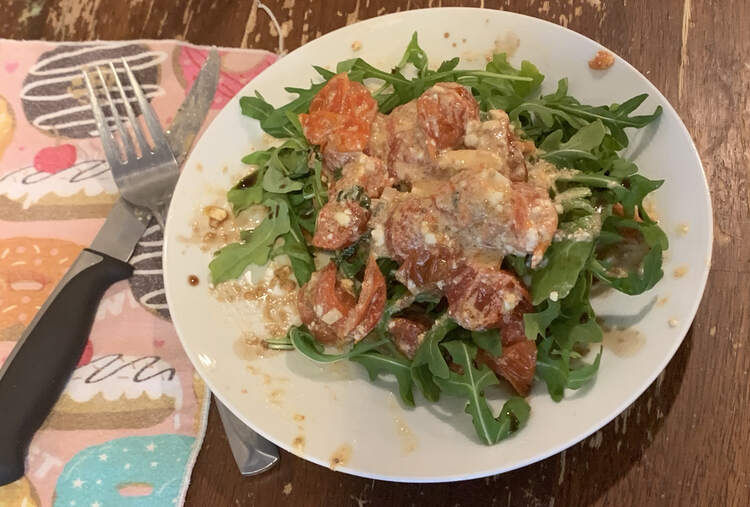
column 342, row 409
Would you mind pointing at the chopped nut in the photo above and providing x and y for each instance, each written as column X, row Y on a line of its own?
column 356, row 45
column 216, row 215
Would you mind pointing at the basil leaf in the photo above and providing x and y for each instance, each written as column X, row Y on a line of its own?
column 488, row 340
column 377, row 363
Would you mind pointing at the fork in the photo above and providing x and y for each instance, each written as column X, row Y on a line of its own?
column 147, row 173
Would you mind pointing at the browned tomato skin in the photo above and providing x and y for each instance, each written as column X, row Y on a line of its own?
column 443, row 111
column 331, row 233
column 340, row 115
column 516, row 364
column 407, row 334
column 321, row 295
column 483, row 296
column 370, row 305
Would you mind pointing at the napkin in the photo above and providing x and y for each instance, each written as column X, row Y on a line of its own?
column 128, row 427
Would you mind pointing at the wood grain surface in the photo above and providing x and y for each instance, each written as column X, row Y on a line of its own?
column 686, row 440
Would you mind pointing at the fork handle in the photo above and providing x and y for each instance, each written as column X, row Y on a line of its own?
column 38, row 368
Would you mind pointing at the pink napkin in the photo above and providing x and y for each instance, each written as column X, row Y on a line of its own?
column 130, row 423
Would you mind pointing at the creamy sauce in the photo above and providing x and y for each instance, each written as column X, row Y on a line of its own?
column 624, row 342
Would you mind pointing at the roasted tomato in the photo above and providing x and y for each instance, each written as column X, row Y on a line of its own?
column 340, row 115
column 496, row 135
column 443, row 111
column 407, row 334
column 483, row 296
column 367, row 172
column 516, row 364
column 339, row 224
column 325, row 306
column 534, row 219
column 370, row 304
column 414, row 237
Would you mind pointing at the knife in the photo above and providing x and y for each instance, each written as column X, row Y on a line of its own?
column 39, row 366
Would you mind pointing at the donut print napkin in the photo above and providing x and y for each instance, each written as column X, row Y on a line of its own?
column 129, row 425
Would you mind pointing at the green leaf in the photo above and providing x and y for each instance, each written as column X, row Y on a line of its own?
column 274, row 181
column 247, row 192
column 552, row 370
column 577, row 147
column 488, row 340
column 536, row 324
column 471, row 384
column 638, row 187
column 565, row 260
column 305, row 343
column 414, row 55
column 377, row 364
column 230, row 262
column 429, row 352
column 295, row 247
column 581, row 376
column 423, row 378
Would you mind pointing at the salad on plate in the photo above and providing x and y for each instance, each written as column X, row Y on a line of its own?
column 446, row 227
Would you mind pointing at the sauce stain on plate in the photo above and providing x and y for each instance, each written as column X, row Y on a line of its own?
column 624, row 342
column 341, row 456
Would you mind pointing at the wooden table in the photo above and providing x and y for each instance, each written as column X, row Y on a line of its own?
column 686, row 441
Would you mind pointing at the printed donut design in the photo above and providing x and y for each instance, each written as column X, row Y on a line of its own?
column 236, row 70
column 118, row 391
column 54, row 96
column 147, row 282
column 29, row 269
column 130, row 471
column 81, row 190
column 7, row 125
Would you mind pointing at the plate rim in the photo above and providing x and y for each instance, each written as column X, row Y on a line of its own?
column 684, row 326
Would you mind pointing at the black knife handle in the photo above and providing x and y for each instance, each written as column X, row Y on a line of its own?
column 35, row 373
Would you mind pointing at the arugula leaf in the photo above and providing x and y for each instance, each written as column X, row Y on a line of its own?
column 536, row 324
column 577, row 147
column 488, row 340
column 416, row 56
column 565, row 260
column 275, row 181
column 424, row 379
column 471, row 384
column 295, row 247
column 552, row 370
column 584, row 374
column 429, row 352
column 248, row 191
column 377, row 363
column 638, row 188
column 305, row 343
column 231, row 261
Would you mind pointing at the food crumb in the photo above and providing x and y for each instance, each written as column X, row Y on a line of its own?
column 299, row 443
column 299, row 417
column 287, row 488
column 712, row 331
column 602, row 60
column 199, row 167
column 553, row 295
column 356, row 45
column 682, row 229
column 454, row 44
column 680, row 271
column 446, row 35
column 243, row 390
column 673, row 322
column 662, row 301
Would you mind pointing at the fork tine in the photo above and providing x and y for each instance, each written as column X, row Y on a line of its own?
column 145, row 148
column 108, row 142
column 157, row 134
column 127, row 141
